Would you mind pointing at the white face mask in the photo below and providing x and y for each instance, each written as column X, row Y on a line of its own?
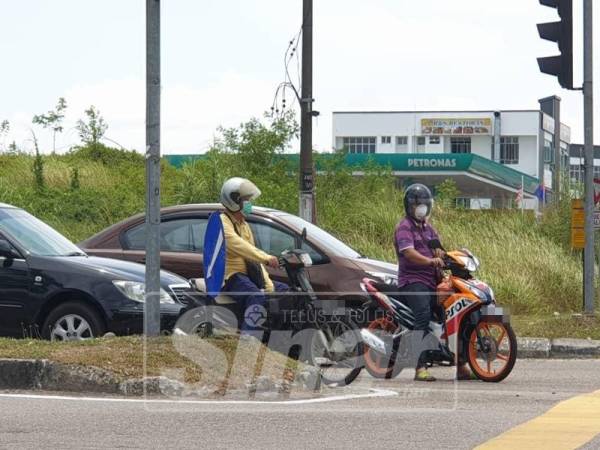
column 421, row 212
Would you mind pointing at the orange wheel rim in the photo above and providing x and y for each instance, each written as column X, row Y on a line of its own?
column 375, row 361
column 489, row 359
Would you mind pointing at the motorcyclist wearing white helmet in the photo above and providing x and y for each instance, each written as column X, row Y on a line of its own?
column 246, row 278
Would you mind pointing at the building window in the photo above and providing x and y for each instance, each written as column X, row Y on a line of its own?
column 509, row 150
column 596, row 171
column 548, row 151
column 360, row 144
column 434, row 139
column 421, row 140
column 401, row 140
column 460, row 145
column 576, row 173
column 386, row 139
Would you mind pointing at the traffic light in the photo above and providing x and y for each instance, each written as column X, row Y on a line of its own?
column 561, row 32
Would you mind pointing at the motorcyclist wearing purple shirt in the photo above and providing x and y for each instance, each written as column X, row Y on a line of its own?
column 419, row 266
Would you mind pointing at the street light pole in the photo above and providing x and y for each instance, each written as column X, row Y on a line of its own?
column 588, row 125
column 306, row 115
column 152, row 304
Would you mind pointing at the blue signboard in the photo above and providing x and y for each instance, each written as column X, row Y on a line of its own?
column 214, row 255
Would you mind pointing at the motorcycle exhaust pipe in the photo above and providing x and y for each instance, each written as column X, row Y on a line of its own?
column 373, row 341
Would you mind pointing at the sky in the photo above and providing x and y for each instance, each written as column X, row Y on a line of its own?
column 223, row 59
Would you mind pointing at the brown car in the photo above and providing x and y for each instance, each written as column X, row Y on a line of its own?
column 337, row 269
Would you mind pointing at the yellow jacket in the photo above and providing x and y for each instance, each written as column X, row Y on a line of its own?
column 241, row 248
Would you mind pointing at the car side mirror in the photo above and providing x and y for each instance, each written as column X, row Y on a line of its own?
column 6, row 250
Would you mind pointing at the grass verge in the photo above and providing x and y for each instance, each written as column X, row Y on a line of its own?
column 210, row 362
column 561, row 326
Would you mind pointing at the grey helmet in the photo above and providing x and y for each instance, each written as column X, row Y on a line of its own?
column 236, row 189
column 415, row 195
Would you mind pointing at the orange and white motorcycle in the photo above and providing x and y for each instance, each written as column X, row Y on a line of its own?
column 471, row 327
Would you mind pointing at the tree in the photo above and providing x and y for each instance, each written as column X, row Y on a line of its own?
column 38, row 166
column 53, row 120
column 13, row 149
column 258, row 143
column 4, row 128
column 447, row 192
column 75, row 184
column 92, row 131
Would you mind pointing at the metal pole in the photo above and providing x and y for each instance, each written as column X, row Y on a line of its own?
column 306, row 116
column 152, row 305
column 557, row 150
column 588, row 125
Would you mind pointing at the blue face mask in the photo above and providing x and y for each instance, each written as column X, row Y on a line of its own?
column 246, row 208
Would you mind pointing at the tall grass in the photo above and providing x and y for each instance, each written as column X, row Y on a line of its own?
column 528, row 265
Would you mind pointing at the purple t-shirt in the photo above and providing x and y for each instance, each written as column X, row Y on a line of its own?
column 410, row 235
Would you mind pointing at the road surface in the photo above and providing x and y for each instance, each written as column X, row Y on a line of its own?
column 437, row 415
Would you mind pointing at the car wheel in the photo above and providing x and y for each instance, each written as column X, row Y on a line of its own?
column 72, row 321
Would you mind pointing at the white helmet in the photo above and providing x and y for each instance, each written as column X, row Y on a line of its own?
column 234, row 190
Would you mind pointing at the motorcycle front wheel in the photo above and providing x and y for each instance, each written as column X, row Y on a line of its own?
column 492, row 351
column 337, row 350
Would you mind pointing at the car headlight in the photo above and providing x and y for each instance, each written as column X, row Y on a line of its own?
column 136, row 291
column 386, row 277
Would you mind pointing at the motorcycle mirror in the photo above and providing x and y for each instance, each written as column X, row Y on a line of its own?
column 435, row 244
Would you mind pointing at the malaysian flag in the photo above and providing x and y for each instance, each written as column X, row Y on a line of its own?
column 520, row 196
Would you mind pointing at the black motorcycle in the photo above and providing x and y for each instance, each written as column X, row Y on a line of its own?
column 295, row 323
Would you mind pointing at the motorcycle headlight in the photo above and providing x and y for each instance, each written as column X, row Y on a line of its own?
column 477, row 292
column 486, row 295
column 386, row 277
column 306, row 259
column 136, row 291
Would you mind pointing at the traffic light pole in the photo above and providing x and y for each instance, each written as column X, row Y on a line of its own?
column 306, row 116
column 588, row 124
column 152, row 304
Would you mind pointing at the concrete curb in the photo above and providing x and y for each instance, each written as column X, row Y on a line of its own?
column 46, row 375
column 560, row 348
column 31, row 374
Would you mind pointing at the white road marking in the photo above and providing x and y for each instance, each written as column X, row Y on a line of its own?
column 334, row 398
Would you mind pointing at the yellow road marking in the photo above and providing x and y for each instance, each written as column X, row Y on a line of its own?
column 568, row 425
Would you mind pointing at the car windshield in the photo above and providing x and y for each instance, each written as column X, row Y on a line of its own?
column 34, row 235
column 321, row 237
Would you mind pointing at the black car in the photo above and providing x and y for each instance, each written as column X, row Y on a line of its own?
column 50, row 288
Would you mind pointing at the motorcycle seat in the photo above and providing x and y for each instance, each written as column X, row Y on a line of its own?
column 220, row 299
column 388, row 289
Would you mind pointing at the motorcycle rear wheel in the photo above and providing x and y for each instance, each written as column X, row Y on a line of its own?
column 493, row 359
column 377, row 364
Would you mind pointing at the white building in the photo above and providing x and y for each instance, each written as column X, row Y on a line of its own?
column 522, row 140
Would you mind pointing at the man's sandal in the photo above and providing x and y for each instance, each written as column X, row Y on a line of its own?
column 424, row 375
